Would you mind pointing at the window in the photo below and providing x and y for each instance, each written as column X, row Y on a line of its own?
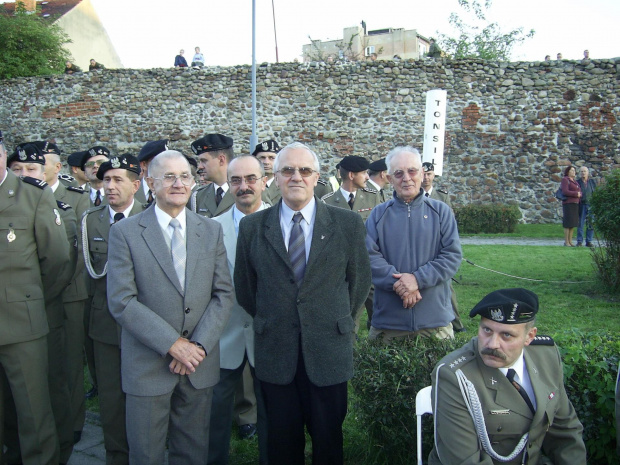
column 369, row 50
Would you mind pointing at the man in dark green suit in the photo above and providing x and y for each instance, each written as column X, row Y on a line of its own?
column 266, row 153
column 501, row 398
column 120, row 180
column 377, row 179
column 303, row 273
column 35, row 267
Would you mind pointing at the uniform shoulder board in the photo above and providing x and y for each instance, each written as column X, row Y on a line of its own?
column 461, row 358
column 542, row 341
column 66, row 177
column 76, row 189
column 62, row 205
column 94, row 209
column 370, row 189
column 320, row 181
column 326, row 196
column 35, row 182
column 443, row 191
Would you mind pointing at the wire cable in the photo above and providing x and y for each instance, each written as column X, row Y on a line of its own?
column 525, row 279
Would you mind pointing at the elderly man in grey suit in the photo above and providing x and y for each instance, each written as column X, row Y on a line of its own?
column 302, row 272
column 247, row 181
column 170, row 290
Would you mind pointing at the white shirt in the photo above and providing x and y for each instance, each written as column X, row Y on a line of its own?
column 522, row 377
column 346, row 194
column 93, row 194
column 223, row 186
column 145, row 188
column 307, row 223
column 238, row 214
column 164, row 218
column 270, row 181
column 55, row 186
column 124, row 212
column 429, row 192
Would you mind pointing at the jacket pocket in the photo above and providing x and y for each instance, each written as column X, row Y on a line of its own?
column 23, row 293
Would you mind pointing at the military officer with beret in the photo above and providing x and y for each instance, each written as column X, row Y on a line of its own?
column 74, row 161
column 90, row 163
column 377, row 179
column 266, row 153
column 148, row 151
column 500, row 398
column 120, row 176
column 35, row 267
column 49, row 147
column 214, row 152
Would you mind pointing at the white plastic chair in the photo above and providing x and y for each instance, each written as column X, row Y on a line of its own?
column 423, row 404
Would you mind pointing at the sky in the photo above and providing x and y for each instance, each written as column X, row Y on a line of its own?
column 149, row 33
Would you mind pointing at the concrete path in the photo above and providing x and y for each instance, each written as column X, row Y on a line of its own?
column 90, row 450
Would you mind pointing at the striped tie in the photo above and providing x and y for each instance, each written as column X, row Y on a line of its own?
column 297, row 249
column 179, row 253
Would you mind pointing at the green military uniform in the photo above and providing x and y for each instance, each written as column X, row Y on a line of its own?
column 440, row 194
column 321, row 189
column 104, row 331
column 272, row 194
column 67, row 180
column 384, row 194
column 365, row 200
column 35, row 267
column 554, row 430
column 203, row 200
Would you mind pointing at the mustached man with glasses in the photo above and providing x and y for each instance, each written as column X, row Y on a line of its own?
column 302, row 272
column 170, row 291
column 414, row 249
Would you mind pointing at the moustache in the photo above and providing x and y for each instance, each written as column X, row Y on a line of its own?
column 494, row 353
column 244, row 192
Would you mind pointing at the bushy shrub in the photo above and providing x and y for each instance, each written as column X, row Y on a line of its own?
column 590, row 371
column 487, row 218
column 387, row 379
column 605, row 209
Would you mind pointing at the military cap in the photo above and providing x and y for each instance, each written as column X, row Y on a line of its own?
column 426, row 166
column 93, row 152
column 126, row 161
column 152, row 148
column 75, row 159
column 266, row 146
column 354, row 163
column 47, row 147
column 211, row 143
column 378, row 165
column 192, row 161
column 26, row 153
column 508, row 306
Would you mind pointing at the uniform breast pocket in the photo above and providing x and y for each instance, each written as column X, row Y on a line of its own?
column 98, row 246
column 13, row 237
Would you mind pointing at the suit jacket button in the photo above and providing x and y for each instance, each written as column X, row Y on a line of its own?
column 298, row 301
column 185, row 333
column 187, row 310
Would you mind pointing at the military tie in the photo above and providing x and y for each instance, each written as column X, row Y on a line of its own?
column 151, row 198
column 118, row 217
column 426, row 194
column 179, row 253
column 98, row 199
column 218, row 196
column 297, row 249
column 351, row 200
column 511, row 377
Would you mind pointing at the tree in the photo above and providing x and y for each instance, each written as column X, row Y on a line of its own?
column 486, row 40
column 30, row 45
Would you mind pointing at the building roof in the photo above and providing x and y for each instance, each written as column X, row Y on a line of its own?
column 53, row 9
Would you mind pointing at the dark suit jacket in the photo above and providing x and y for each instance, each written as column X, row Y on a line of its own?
column 146, row 299
column 320, row 312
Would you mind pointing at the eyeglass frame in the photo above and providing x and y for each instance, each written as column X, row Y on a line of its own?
column 399, row 174
column 166, row 181
column 295, row 170
column 237, row 180
column 92, row 164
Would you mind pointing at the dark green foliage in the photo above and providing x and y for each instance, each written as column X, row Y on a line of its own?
column 387, row 379
column 31, row 46
column 590, row 370
column 487, row 218
column 605, row 209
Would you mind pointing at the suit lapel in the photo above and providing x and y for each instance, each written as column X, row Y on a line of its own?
column 192, row 242
column 542, row 392
column 227, row 202
column 230, row 236
column 323, row 230
column 273, row 234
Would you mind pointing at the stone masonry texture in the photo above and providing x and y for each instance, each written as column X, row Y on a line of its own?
column 511, row 128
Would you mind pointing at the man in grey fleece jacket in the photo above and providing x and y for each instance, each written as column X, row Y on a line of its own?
column 415, row 250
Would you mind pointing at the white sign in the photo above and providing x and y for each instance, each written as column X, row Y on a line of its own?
column 435, row 128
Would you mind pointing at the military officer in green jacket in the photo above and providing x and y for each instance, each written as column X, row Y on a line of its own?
column 377, row 179
column 500, row 398
column 34, row 267
column 266, row 153
column 120, row 178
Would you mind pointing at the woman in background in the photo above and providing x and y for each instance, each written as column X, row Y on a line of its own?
column 570, row 206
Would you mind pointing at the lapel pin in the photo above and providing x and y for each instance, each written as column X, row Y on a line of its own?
column 322, row 237
column 552, row 395
column 425, row 216
column 493, row 381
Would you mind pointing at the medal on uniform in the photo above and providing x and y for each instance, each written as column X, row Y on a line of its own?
column 11, row 235
column 58, row 221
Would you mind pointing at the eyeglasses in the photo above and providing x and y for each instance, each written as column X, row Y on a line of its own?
column 170, row 179
column 412, row 172
column 250, row 180
column 90, row 164
column 289, row 171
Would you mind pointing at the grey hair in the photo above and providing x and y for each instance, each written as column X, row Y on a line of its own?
column 159, row 159
column 241, row 157
column 295, row 145
column 397, row 151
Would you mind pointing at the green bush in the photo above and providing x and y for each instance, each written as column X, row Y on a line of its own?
column 487, row 218
column 590, row 371
column 387, row 379
column 605, row 209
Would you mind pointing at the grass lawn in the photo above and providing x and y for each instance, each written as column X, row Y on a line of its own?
column 535, row 231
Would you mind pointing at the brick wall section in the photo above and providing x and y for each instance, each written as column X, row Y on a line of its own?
column 510, row 127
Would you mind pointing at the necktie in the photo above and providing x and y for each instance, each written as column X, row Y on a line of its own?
column 426, row 194
column 297, row 249
column 351, row 200
column 98, row 199
column 511, row 377
column 118, row 217
column 151, row 198
column 218, row 196
column 179, row 253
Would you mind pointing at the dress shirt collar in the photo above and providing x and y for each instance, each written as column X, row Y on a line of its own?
column 518, row 366
column 346, row 193
column 164, row 218
column 145, row 188
column 308, row 212
column 238, row 214
column 429, row 192
column 6, row 172
column 124, row 212
column 223, row 186
column 55, row 186
column 93, row 193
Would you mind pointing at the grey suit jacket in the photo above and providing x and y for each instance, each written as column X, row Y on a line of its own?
column 238, row 336
column 320, row 312
column 146, row 299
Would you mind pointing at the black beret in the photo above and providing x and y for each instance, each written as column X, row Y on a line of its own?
column 192, row 161
column 354, row 163
column 47, row 147
column 152, row 148
column 26, row 153
column 211, row 143
column 1, row 137
column 508, row 306
column 266, row 146
column 426, row 166
column 378, row 165
column 75, row 159
column 126, row 161
column 93, row 152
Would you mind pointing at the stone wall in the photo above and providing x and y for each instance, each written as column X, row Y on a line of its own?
column 511, row 127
